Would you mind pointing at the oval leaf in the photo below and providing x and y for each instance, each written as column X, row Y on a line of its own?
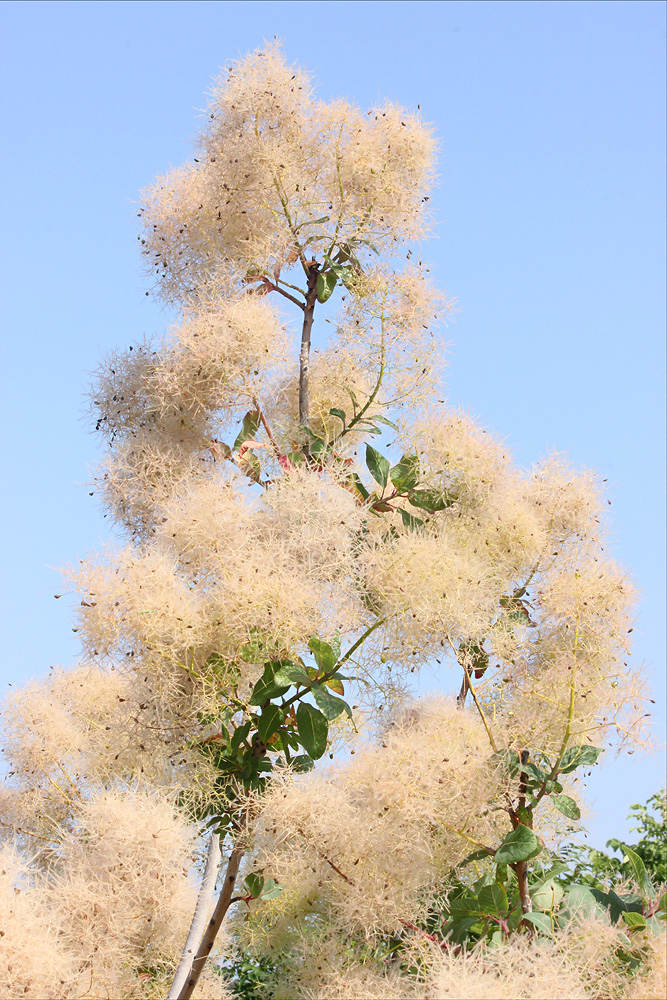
column 582, row 756
column 291, row 674
column 566, row 805
column 254, row 884
column 410, row 522
column 493, row 899
column 546, row 896
column 313, row 730
column 324, row 654
column 430, row 500
column 266, row 687
column 519, row 845
column 635, row 921
column 639, row 871
column 272, row 890
column 302, row 763
column 269, row 722
column 330, row 707
column 541, row 921
column 405, row 475
column 378, row 466
column 580, row 901
column 326, row 282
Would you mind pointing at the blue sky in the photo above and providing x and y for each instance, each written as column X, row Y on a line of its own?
column 550, row 210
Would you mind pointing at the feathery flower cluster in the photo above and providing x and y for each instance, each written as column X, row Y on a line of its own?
column 327, row 172
column 361, row 845
column 278, row 547
column 107, row 914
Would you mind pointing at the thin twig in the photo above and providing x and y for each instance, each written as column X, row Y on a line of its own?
column 274, row 287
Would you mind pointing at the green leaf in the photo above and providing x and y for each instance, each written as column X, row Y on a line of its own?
column 313, row 222
column 535, row 772
column 378, row 466
column 271, row 889
column 240, row 734
column 541, row 921
column 319, row 447
column 581, row 756
column 463, row 905
column 366, row 243
column 519, row 845
column 366, row 426
column 335, row 412
column 344, row 274
column 547, row 895
column 662, row 905
column 475, row 856
column 355, row 403
column 302, row 763
column 326, row 282
column 266, row 687
column 566, row 805
column 632, row 901
column 508, row 757
column 410, row 522
column 430, row 500
column 580, row 901
column 269, row 722
column 254, row 884
column 493, row 899
column 251, row 423
column 291, row 674
column 330, row 707
column 325, row 657
column 554, row 870
column 216, row 661
column 359, row 486
column 639, row 871
column 405, row 474
column 635, row 921
column 254, row 650
column 384, row 420
column 313, row 730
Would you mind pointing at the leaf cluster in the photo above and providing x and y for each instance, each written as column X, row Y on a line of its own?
column 273, row 728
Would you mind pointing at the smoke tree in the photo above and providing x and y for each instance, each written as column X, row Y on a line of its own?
column 304, row 526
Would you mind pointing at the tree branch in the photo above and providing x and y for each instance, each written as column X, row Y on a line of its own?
column 304, row 356
column 276, row 288
column 521, row 867
column 202, row 909
column 208, row 940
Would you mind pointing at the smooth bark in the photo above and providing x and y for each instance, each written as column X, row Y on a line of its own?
column 304, row 356
column 202, row 909
column 214, row 924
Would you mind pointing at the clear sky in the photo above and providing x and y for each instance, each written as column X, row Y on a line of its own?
column 550, row 211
